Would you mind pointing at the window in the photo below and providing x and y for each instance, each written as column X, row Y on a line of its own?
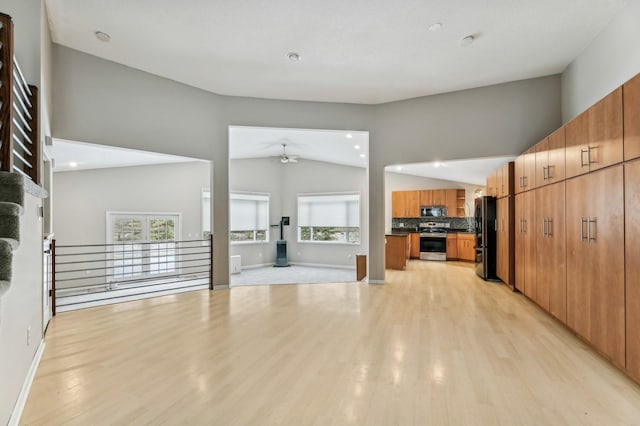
column 329, row 218
column 143, row 244
column 249, row 218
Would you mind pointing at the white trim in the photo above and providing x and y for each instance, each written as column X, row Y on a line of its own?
column 18, row 408
column 221, row 287
column 374, row 281
column 258, row 265
column 323, row 265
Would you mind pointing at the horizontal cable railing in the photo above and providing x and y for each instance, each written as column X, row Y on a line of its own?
column 19, row 137
column 84, row 274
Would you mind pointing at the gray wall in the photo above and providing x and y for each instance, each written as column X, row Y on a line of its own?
column 610, row 60
column 83, row 197
column 402, row 182
column 164, row 116
column 283, row 183
column 21, row 306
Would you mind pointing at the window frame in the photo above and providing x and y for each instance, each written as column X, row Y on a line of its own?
column 267, row 239
column 325, row 194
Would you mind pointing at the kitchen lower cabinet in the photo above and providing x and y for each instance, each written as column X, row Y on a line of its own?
column 505, row 267
column 415, row 245
column 595, row 264
column 466, row 247
column 452, row 246
column 550, row 255
column 395, row 251
column 632, row 248
column 525, row 245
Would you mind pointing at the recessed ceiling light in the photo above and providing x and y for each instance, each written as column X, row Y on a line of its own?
column 467, row 41
column 73, row 164
column 356, row 147
column 102, row 36
column 437, row 164
column 362, row 155
column 293, row 56
column 398, row 168
column 435, row 26
column 349, row 135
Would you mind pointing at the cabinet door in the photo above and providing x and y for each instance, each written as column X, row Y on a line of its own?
column 542, row 162
column 492, row 185
column 452, row 246
column 519, row 174
column 605, row 132
column 550, row 253
column 466, row 250
column 415, row 245
column 595, row 267
column 631, row 95
column 556, row 166
column 502, row 240
column 498, row 183
column 520, row 242
column 577, row 142
column 632, row 248
column 525, row 249
column 425, row 197
column 438, row 197
column 412, row 204
column 451, row 202
column 398, row 200
column 530, row 169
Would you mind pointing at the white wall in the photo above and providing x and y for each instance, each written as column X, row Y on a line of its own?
column 21, row 306
column 610, row 60
column 402, row 182
column 84, row 196
column 284, row 183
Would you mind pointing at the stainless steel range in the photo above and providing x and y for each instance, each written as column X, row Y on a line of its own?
column 433, row 241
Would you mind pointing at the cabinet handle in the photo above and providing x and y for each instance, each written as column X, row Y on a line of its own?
column 589, row 149
column 589, row 222
column 544, row 227
column 582, row 152
column 524, row 181
column 582, row 222
column 549, row 227
column 545, row 172
column 549, row 172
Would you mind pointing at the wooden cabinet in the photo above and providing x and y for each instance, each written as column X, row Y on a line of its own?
column 405, row 204
column 452, row 246
column 632, row 248
column 492, row 185
column 525, row 171
column 504, row 180
column 461, row 197
column 595, row 265
column 505, row 240
column 432, row 197
column 395, row 251
column 415, row 245
column 594, row 138
column 451, row 202
column 525, row 245
column 549, row 158
column 631, row 102
column 550, row 255
column 466, row 247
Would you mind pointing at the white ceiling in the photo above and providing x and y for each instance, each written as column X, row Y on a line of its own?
column 89, row 156
column 474, row 171
column 331, row 146
column 352, row 51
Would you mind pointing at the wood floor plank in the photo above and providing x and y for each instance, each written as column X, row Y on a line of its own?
column 434, row 345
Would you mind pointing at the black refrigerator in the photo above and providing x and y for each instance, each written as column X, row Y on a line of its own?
column 485, row 219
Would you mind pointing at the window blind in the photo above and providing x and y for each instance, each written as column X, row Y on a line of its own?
column 249, row 212
column 340, row 210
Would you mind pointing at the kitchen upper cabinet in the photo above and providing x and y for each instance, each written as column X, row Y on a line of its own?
column 631, row 95
column 595, row 265
column 505, row 179
column 550, row 252
column 505, row 255
column 466, row 247
column 525, row 171
column 452, row 246
column 492, row 185
column 432, row 197
column 605, row 132
column 525, row 246
column 405, row 204
column 632, row 248
column 594, row 138
column 415, row 245
column 549, row 158
column 451, row 202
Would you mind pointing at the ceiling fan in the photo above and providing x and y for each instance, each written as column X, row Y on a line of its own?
column 284, row 158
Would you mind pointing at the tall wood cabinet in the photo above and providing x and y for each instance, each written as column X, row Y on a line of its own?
column 632, row 248
column 631, row 102
column 551, row 269
column 505, row 243
column 525, row 244
column 595, row 266
column 525, row 171
column 550, row 159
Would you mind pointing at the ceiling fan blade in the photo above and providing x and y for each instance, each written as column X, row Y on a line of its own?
column 293, row 159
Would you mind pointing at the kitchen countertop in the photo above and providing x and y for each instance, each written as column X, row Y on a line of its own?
column 406, row 231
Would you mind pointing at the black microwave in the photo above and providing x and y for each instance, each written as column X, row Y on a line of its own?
column 433, row 211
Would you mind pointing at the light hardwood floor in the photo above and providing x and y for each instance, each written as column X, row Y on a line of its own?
column 435, row 345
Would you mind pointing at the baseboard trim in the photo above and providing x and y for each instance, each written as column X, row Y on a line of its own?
column 375, row 281
column 221, row 287
column 259, row 265
column 323, row 265
column 14, row 420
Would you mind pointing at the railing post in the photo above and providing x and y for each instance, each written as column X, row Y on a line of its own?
column 211, row 261
column 34, row 135
column 6, row 93
column 53, row 277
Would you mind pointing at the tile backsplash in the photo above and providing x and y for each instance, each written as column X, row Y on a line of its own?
column 414, row 223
